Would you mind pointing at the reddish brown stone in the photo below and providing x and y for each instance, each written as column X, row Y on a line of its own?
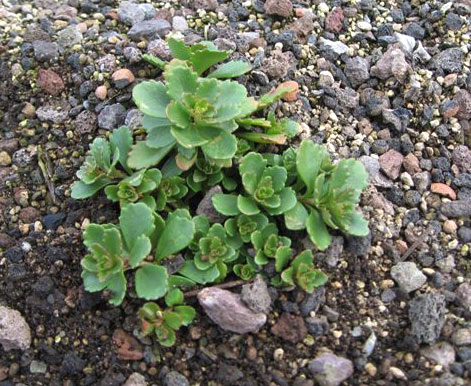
column 390, row 163
column 290, row 327
column 29, row 214
column 411, row 164
column 293, row 95
column 443, row 190
column 127, row 347
column 334, row 20
column 278, row 7
column 50, row 82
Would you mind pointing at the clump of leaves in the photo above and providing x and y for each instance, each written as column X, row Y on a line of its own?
column 115, row 249
column 99, row 168
column 331, row 195
column 205, row 131
column 301, row 272
column 190, row 113
column 163, row 323
column 265, row 188
column 136, row 188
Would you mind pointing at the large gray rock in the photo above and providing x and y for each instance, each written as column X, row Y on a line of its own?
column 427, row 317
column 174, row 378
column 149, row 29
column 330, row 370
column 408, row 276
column 45, row 51
column 131, row 13
column 256, row 295
column 357, row 70
column 14, row 331
column 69, row 36
column 228, row 311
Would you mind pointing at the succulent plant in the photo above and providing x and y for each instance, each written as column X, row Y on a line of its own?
column 163, row 323
column 99, row 168
column 302, row 273
column 331, row 195
column 268, row 244
column 136, row 188
column 265, row 188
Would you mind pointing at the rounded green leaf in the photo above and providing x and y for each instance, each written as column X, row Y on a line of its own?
column 231, row 70
column 91, row 282
column 135, row 220
column 187, row 313
column 151, row 281
column 317, row 230
column 140, row 250
column 173, row 319
column 174, row 297
column 308, row 162
column 247, row 206
column 151, row 98
column 201, row 277
column 81, row 190
column 117, row 285
column 142, row 156
column 177, row 234
column 225, row 204
column 221, row 146
column 295, row 218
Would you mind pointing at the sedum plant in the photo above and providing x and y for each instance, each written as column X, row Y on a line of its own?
column 331, row 195
column 163, row 323
column 204, row 130
column 99, row 168
column 264, row 186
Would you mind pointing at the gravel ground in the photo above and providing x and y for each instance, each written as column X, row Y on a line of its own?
column 386, row 82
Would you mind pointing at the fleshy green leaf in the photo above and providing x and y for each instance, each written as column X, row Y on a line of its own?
column 154, row 61
column 140, row 250
column 295, row 218
column 247, row 206
column 143, row 156
column 356, row 224
column 117, row 285
column 201, row 277
column 288, row 201
column 317, row 230
column 173, row 320
column 177, row 234
column 178, row 49
column 135, row 220
column 121, row 138
column 231, row 70
column 81, row 190
column 308, row 162
column 180, row 80
column 190, row 137
column 283, row 254
column 174, row 297
column 187, row 313
column 221, row 146
column 202, row 60
column 151, row 98
column 91, row 282
column 226, row 204
column 151, row 281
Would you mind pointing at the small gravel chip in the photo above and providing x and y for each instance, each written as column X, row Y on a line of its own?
column 408, row 276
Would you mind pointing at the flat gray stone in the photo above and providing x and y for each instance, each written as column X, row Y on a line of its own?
column 15, row 333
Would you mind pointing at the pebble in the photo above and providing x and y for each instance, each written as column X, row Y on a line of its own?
column 256, row 295
column 441, row 353
column 135, row 379
column 427, row 316
column 334, row 20
column 37, row 367
column 179, row 24
column 69, row 37
column 455, row 209
column 228, row 311
column 332, row 49
column 5, row 159
column 392, row 63
column 131, row 13
column 50, row 82
column 282, row 8
column 330, row 370
column 15, row 333
column 391, row 163
column 112, row 116
column 149, row 29
column 122, row 78
column 461, row 157
column 174, row 378
column 463, row 295
column 101, row 92
column 206, row 208
column 462, row 337
column 290, row 327
column 45, row 51
column 357, row 70
column 443, row 190
column 408, row 276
